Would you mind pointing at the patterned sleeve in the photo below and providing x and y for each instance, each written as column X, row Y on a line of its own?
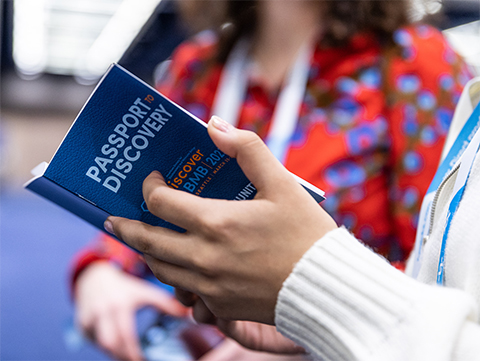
column 424, row 80
column 106, row 248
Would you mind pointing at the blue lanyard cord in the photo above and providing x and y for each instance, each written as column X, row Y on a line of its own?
column 456, row 151
column 459, row 189
column 452, row 209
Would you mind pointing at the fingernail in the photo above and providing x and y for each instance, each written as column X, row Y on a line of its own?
column 108, row 225
column 221, row 124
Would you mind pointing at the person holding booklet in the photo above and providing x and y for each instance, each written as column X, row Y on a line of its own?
column 280, row 260
column 347, row 95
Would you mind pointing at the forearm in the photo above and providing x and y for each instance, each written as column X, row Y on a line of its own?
column 343, row 302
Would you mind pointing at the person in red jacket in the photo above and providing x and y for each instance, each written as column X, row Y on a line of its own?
column 348, row 95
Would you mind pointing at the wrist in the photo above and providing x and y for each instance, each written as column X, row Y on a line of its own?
column 95, row 272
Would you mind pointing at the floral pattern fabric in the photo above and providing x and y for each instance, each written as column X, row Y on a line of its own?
column 370, row 130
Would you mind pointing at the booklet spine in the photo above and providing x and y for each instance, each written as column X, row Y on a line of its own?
column 66, row 199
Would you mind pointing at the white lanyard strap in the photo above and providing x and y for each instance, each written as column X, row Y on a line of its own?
column 232, row 89
column 455, row 153
column 232, row 85
column 288, row 105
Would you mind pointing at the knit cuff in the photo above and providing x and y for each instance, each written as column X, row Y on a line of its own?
column 342, row 301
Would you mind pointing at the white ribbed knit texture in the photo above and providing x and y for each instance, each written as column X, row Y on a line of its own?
column 343, row 302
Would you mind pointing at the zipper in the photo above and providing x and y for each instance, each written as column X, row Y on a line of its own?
column 435, row 200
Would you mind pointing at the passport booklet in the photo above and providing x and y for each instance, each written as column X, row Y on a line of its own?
column 126, row 130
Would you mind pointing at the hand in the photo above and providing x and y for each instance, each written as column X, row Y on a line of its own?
column 230, row 350
column 107, row 300
column 259, row 337
column 252, row 335
column 234, row 254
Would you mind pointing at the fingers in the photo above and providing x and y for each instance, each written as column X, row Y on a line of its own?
column 116, row 334
column 257, row 162
column 165, row 303
column 260, row 337
column 202, row 314
column 187, row 298
column 174, row 206
column 174, row 275
column 107, row 334
column 158, row 242
column 127, row 330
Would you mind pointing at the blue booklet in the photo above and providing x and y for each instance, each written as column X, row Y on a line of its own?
column 126, row 130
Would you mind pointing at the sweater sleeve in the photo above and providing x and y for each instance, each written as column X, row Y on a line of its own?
column 343, row 302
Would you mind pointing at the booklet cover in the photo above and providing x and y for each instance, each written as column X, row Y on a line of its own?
column 126, row 130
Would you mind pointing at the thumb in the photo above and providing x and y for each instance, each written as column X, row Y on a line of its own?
column 258, row 337
column 252, row 155
column 164, row 302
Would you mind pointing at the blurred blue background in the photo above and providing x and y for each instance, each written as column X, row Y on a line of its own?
column 38, row 239
column 46, row 76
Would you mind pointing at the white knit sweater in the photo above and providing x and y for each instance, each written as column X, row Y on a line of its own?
column 343, row 302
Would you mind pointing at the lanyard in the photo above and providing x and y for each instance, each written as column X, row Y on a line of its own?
column 232, row 89
column 464, row 148
column 458, row 190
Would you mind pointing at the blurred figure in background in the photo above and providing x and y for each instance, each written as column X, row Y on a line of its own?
column 347, row 94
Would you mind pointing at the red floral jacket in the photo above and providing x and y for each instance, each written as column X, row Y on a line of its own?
column 370, row 129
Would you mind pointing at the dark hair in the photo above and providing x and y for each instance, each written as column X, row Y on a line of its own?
column 342, row 20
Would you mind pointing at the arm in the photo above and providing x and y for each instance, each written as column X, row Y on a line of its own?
column 237, row 255
column 343, row 302
column 106, row 302
column 182, row 258
column 108, row 290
